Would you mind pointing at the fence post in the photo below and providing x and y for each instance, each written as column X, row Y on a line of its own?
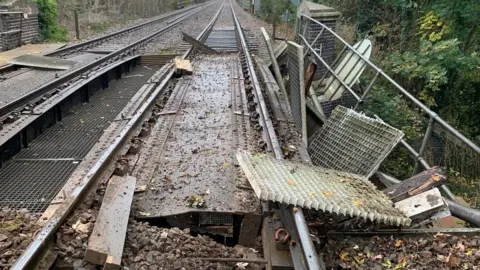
column 77, row 28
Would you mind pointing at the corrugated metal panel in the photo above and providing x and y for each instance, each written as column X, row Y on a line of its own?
column 352, row 142
column 317, row 188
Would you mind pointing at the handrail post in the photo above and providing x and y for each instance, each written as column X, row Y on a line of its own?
column 428, row 133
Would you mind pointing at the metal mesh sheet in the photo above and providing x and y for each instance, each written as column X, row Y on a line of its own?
column 209, row 218
column 297, row 86
column 317, row 188
column 352, row 142
column 39, row 183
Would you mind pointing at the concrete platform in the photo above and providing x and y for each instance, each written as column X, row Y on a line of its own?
column 31, row 49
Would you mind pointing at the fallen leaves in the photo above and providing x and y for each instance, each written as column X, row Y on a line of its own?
column 327, row 194
column 436, row 178
column 357, row 203
column 399, row 243
column 387, row 264
column 390, row 252
column 344, row 256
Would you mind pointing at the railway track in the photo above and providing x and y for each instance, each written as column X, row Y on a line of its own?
column 176, row 136
column 19, row 92
column 108, row 40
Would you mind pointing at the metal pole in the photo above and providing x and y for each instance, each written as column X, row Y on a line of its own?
column 428, row 133
column 365, row 93
column 313, row 42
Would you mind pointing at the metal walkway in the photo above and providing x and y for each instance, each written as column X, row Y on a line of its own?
column 35, row 175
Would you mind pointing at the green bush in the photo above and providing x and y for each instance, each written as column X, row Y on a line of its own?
column 47, row 18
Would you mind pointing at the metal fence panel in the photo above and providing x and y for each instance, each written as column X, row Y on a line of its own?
column 317, row 188
column 297, row 87
column 352, row 142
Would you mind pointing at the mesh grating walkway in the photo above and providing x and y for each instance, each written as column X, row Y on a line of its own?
column 317, row 188
column 352, row 142
column 35, row 175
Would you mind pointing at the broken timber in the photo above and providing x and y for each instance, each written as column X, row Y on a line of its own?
column 424, row 207
column 416, row 184
column 199, row 45
column 105, row 245
column 182, row 66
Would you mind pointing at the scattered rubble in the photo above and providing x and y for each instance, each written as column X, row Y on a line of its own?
column 150, row 247
column 17, row 229
column 440, row 251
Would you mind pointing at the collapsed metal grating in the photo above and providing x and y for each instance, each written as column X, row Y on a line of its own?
column 317, row 188
column 297, row 86
column 352, row 142
column 38, row 185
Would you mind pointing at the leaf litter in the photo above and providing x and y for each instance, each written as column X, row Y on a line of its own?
column 440, row 251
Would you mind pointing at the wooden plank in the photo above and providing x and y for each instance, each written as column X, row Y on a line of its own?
column 249, row 230
column 108, row 235
column 182, row 66
column 416, row 184
column 197, row 44
column 112, row 263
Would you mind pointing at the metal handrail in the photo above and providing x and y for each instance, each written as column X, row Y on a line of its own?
column 433, row 117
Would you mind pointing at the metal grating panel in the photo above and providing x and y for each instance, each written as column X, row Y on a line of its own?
column 209, row 218
column 297, row 87
column 60, row 143
column 36, row 174
column 317, row 188
column 352, row 142
column 39, row 183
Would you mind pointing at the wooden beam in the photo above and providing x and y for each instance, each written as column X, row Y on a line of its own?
column 182, row 66
column 416, row 184
column 105, row 245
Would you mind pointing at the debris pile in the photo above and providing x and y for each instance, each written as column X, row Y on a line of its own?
column 440, row 251
column 17, row 229
column 150, row 247
column 72, row 239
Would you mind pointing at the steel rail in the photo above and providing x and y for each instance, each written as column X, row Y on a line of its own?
column 8, row 108
column 35, row 248
column 268, row 131
column 311, row 260
column 73, row 47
